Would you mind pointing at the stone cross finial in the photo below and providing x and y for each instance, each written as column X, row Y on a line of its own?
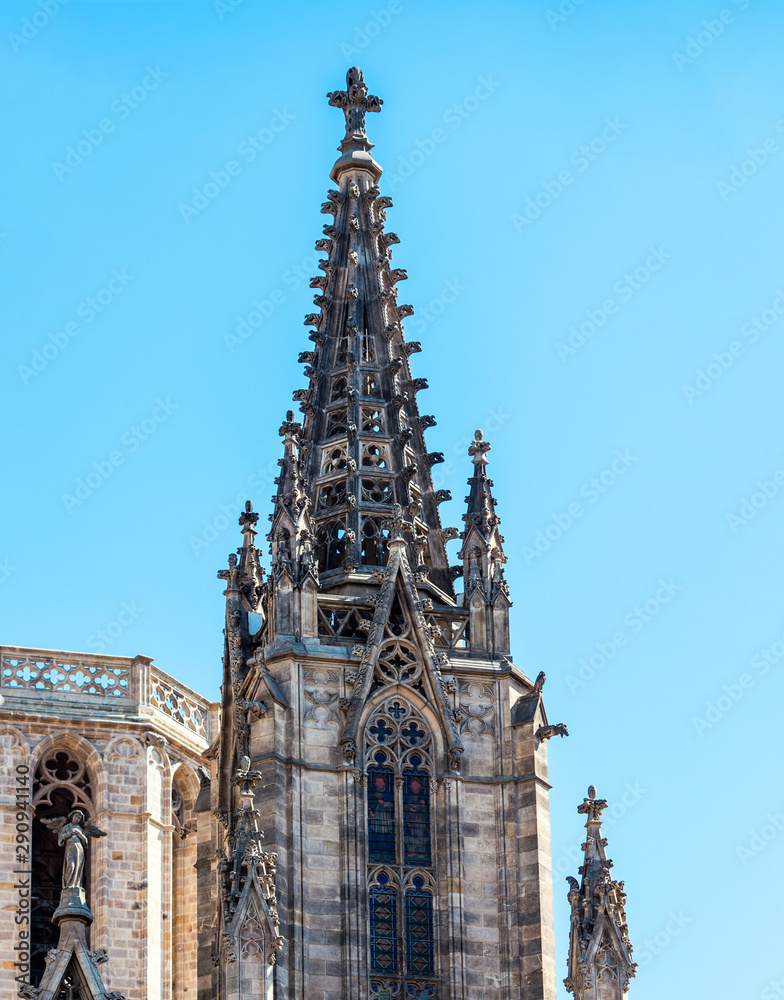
column 397, row 524
column 290, row 426
column 248, row 517
column 355, row 102
column 479, row 448
column 592, row 806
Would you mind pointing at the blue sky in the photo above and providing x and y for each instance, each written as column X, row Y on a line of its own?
column 589, row 200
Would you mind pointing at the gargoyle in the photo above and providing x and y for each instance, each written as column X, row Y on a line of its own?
column 546, row 732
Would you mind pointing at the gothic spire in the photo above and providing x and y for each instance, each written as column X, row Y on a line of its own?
column 600, row 954
column 361, row 447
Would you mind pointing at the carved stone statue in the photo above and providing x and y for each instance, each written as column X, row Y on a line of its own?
column 73, row 833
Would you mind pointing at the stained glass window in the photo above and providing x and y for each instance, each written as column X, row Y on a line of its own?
column 401, row 880
column 416, row 816
column 381, row 813
column 383, row 925
column 419, row 928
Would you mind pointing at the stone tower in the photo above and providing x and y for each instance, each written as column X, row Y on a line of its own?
column 600, row 954
column 374, row 724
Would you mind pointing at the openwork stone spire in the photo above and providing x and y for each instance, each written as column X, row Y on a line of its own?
column 360, row 448
column 600, row 954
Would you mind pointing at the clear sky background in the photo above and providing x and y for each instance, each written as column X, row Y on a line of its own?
column 645, row 142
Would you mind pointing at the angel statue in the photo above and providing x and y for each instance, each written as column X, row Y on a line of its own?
column 73, row 832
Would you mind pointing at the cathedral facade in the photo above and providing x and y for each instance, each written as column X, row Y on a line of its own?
column 365, row 814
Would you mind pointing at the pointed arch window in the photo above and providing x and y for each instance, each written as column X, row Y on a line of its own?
column 375, row 541
column 401, row 874
column 370, row 385
column 62, row 783
column 330, row 545
column 339, row 388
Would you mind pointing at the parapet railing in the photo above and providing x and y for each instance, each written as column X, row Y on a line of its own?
column 133, row 683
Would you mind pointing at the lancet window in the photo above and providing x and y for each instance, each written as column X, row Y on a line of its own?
column 330, row 545
column 370, row 385
column 401, row 875
column 374, row 543
column 339, row 387
column 62, row 783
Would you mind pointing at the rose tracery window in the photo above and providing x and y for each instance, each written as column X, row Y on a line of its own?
column 398, row 661
column 377, row 490
column 335, row 459
column 401, row 879
column 331, row 495
column 374, row 456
